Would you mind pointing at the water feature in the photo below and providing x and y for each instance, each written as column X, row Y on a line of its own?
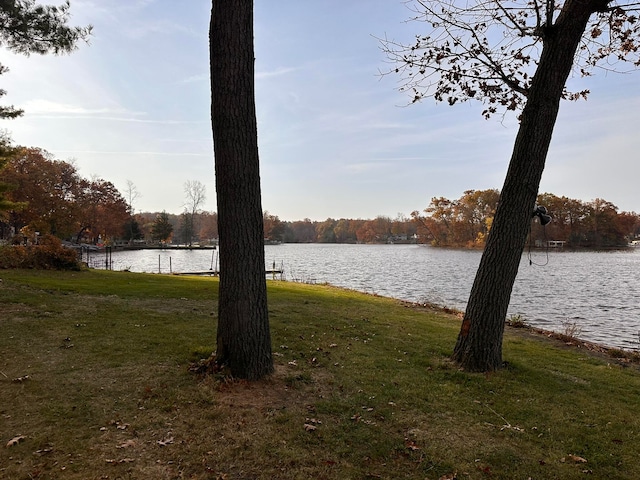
column 598, row 292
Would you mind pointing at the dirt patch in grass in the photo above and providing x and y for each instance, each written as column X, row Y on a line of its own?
column 273, row 393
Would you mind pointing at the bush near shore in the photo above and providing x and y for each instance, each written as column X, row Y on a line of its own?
column 95, row 383
column 47, row 254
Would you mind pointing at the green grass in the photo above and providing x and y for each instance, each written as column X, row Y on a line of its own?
column 363, row 389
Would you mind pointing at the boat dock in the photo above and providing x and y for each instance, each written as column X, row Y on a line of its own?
column 215, row 273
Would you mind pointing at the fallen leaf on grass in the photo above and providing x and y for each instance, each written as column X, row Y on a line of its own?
column 310, row 428
column 43, row 451
column 577, row 459
column 165, row 442
column 21, row 379
column 411, row 445
column 127, row 444
column 449, row 476
column 15, row 440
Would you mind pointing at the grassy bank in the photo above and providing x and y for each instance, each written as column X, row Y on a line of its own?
column 363, row 389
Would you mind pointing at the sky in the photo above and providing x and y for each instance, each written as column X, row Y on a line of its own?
column 336, row 138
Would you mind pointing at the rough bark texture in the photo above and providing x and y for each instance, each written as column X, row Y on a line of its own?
column 243, row 338
column 479, row 345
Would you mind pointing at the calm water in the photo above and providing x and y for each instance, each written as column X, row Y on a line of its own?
column 598, row 291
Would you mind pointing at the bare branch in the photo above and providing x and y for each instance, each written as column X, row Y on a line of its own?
column 488, row 50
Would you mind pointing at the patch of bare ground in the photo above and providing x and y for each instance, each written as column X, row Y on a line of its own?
column 279, row 390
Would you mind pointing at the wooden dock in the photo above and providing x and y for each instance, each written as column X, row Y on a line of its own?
column 215, row 273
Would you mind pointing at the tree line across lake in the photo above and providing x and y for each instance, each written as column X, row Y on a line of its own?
column 48, row 196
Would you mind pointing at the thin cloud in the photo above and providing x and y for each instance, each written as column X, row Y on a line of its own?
column 278, row 72
column 146, row 153
column 195, row 78
column 47, row 107
column 79, row 113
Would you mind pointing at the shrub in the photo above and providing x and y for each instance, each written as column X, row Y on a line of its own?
column 13, row 256
column 49, row 254
column 517, row 321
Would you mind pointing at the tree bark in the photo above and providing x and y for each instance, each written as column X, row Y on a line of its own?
column 243, row 337
column 479, row 344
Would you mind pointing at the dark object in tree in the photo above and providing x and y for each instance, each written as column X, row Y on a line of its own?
column 243, row 338
column 458, row 62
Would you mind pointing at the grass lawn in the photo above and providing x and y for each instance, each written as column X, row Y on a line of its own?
column 95, row 384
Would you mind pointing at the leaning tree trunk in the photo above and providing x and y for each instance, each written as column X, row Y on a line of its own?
column 244, row 340
column 479, row 344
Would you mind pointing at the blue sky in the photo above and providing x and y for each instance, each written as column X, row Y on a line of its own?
column 336, row 139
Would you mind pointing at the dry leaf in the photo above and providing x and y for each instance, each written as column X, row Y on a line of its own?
column 310, row 428
column 165, row 442
column 43, row 451
column 15, row 440
column 577, row 459
column 411, row 445
column 449, row 476
column 127, row 444
column 21, row 379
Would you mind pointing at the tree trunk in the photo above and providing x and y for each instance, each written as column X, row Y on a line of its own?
column 479, row 344
column 243, row 337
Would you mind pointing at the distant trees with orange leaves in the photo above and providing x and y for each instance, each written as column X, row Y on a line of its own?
column 55, row 199
column 465, row 222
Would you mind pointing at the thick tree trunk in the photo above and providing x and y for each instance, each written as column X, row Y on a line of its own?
column 479, row 344
column 244, row 341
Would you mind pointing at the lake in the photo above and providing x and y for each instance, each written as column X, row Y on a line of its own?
column 599, row 292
